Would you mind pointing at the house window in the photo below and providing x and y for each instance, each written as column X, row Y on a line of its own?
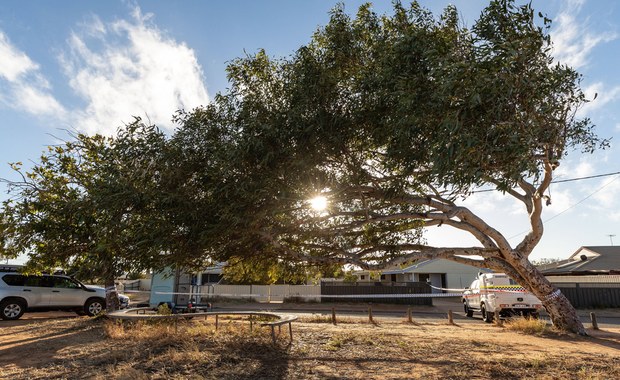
column 210, row 278
column 383, row 277
column 362, row 277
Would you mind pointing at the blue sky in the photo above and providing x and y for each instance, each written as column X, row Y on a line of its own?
column 90, row 66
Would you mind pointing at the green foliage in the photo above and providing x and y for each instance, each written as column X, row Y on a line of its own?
column 164, row 309
column 271, row 270
column 546, row 261
column 383, row 115
column 349, row 277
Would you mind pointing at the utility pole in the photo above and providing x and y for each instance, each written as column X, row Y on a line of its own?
column 611, row 238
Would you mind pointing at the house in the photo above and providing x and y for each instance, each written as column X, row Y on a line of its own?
column 589, row 278
column 595, row 260
column 439, row 273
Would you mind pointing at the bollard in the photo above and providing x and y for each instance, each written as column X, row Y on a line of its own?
column 370, row 315
column 409, row 318
column 333, row 315
column 498, row 321
column 450, row 320
column 594, row 322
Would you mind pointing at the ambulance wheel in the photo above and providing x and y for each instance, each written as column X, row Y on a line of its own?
column 486, row 316
column 468, row 312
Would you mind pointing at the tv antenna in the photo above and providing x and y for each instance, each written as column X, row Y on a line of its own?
column 611, row 238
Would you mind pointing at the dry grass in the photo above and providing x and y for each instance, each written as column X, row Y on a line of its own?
column 529, row 326
column 84, row 348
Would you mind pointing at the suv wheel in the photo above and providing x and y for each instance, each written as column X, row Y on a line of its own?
column 94, row 306
column 12, row 309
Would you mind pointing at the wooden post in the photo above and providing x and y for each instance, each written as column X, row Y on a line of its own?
column 498, row 321
column 216, row 320
column 594, row 322
column 409, row 317
column 251, row 323
column 450, row 319
column 370, row 314
column 334, row 315
column 290, row 330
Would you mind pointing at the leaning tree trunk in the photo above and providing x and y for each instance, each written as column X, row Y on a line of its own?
column 562, row 313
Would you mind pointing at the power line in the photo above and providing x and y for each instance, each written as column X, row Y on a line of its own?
column 574, row 205
column 589, row 177
column 561, row 180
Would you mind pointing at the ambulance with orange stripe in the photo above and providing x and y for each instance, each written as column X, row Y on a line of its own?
column 496, row 291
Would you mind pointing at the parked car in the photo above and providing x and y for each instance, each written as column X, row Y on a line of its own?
column 21, row 293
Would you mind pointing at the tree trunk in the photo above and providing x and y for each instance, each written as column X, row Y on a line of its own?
column 111, row 295
column 562, row 313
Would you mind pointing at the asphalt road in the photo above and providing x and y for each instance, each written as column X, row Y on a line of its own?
column 436, row 313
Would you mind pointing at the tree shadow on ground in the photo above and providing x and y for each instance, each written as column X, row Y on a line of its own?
column 38, row 344
column 604, row 338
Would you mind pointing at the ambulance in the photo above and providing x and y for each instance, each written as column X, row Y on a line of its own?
column 491, row 292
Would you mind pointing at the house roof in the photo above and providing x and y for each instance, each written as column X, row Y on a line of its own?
column 587, row 260
column 416, row 265
column 215, row 269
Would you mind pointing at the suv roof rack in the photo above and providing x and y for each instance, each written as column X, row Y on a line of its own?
column 10, row 268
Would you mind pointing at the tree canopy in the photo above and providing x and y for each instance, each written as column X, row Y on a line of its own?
column 392, row 118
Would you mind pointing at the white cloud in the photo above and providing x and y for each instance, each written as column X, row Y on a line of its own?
column 13, row 63
column 582, row 168
column 604, row 95
column 25, row 88
column 130, row 68
column 37, row 102
column 573, row 38
column 561, row 201
column 607, row 193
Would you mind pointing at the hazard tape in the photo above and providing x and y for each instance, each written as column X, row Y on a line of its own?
column 447, row 289
column 415, row 295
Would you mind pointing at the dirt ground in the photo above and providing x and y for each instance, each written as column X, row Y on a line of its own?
column 86, row 348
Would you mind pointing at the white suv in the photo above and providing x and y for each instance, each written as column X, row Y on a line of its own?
column 20, row 293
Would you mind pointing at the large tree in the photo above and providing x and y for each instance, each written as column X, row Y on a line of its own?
column 394, row 119
column 98, row 207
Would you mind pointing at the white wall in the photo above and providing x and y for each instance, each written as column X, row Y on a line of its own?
column 261, row 293
column 458, row 275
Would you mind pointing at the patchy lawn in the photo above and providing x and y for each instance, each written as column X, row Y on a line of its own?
column 96, row 349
